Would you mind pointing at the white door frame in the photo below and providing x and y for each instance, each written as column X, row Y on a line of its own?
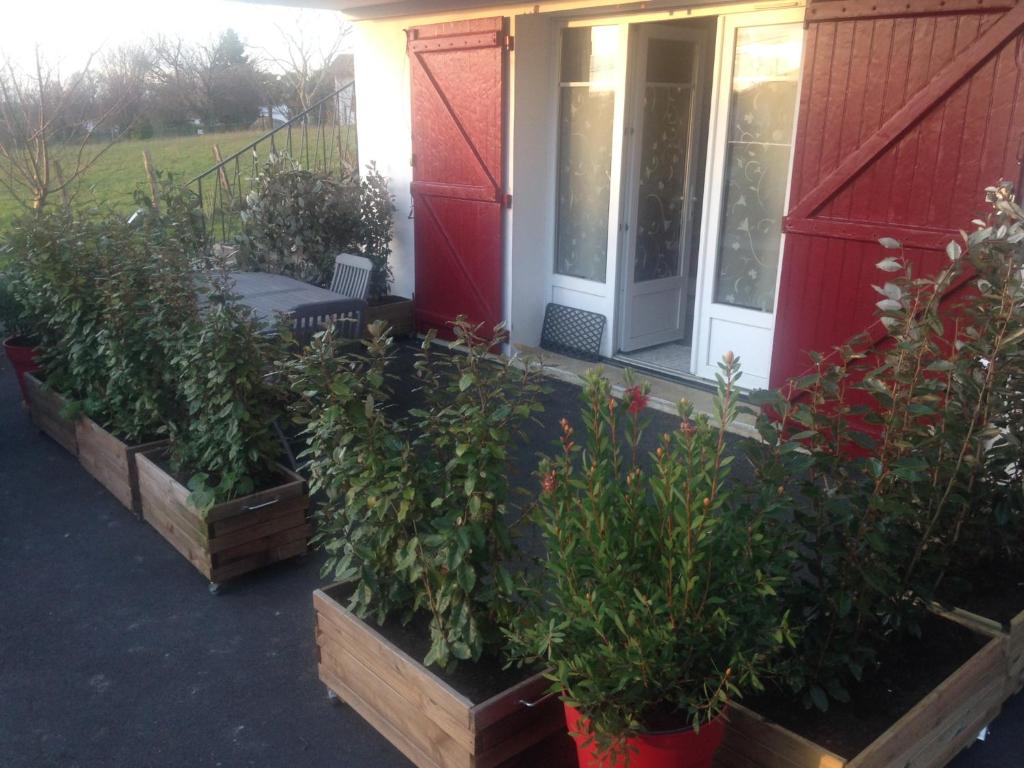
column 758, row 327
column 636, row 83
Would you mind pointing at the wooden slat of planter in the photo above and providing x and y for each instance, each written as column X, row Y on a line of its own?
column 253, row 538
column 300, row 529
column 290, row 515
column 447, row 714
column 428, row 685
column 292, row 487
column 104, row 457
column 354, row 655
column 253, row 562
column 439, row 746
column 224, row 528
column 941, row 746
column 381, row 723
column 1013, row 632
column 397, row 315
column 521, row 732
column 928, row 736
column 504, row 727
column 111, row 462
column 45, row 406
column 1015, row 652
column 488, row 712
column 752, row 740
column 945, row 710
column 948, row 709
column 166, row 498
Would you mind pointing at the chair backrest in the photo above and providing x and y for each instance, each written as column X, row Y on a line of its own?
column 347, row 316
column 351, row 275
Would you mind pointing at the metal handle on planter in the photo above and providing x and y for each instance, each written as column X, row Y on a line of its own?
column 254, row 507
column 537, row 702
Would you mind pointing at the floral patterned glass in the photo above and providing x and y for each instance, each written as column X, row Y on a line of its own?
column 662, row 184
column 586, row 112
column 760, row 139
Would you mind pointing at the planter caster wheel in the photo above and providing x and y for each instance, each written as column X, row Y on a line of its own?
column 334, row 699
column 214, row 588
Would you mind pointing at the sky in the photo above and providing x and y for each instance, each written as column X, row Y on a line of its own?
column 67, row 31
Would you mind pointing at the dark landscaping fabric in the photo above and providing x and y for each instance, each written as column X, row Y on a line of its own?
column 112, row 653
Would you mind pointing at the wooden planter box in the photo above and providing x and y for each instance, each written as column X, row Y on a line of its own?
column 234, row 537
column 1012, row 633
column 45, row 406
column 396, row 312
column 112, row 462
column 433, row 725
column 928, row 736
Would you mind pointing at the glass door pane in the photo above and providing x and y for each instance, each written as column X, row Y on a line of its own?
column 765, row 77
column 586, row 116
column 661, row 204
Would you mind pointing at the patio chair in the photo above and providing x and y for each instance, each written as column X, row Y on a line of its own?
column 351, row 275
column 347, row 315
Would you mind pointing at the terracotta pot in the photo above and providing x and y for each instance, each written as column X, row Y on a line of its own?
column 683, row 748
column 22, row 355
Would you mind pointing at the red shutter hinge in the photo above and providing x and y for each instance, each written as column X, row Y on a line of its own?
column 510, row 43
column 508, row 201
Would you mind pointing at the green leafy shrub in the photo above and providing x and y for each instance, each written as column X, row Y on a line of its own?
column 14, row 317
column 59, row 260
column 901, row 459
column 107, row 300
column 659, row 601
column 296, row 221
column 223, row 441
column 377, row 208
column 178, row 224
column 416, row 515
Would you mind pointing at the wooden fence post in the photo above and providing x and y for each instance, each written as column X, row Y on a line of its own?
column 147, row 161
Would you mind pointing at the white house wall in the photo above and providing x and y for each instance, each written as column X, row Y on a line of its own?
column 384, row 128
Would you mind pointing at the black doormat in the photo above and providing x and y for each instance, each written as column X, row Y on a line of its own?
column 573, row 332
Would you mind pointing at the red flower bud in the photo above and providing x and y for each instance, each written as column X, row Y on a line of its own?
column 637, row 399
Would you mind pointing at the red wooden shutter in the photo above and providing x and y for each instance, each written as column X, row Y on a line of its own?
column 458, row 73
column 905, row 117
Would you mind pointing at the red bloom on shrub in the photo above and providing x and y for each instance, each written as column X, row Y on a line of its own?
column 637, row 399
column 549, row 482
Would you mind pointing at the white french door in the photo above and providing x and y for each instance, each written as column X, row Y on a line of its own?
column 660, row 202
column 753, row 116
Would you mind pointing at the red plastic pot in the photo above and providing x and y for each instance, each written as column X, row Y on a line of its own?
column 683, row 748
column 22, row 355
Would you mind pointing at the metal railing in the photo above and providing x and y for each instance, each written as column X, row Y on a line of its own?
column 321, row 138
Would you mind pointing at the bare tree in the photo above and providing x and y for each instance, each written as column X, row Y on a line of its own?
column 308, row 71
column 214, row 83
column 49, row 131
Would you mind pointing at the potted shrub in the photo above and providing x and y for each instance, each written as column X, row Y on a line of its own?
column 415, row 523
column 377, row 207
column 295, row 221
column 218, row 493
column 20, row 345
column 145, row 295
column 658, row 607
column 893, row 456
column 982, row 584
column 56, row 257
column 115, row 294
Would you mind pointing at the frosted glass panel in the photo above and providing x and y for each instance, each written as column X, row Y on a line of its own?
column 586, row 113
column 662, row 182
column 760, row 136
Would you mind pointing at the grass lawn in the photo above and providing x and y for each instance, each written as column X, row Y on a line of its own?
column 119, row 172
